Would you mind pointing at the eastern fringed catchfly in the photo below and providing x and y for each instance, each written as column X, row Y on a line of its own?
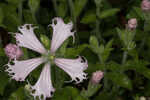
column 21, row 69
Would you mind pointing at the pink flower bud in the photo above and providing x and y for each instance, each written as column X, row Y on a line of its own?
column 96, row 77
column 13, row 51
column 145, row 5
column 132, row 24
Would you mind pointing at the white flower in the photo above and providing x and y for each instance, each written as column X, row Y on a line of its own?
column 74, row 67
column 28, row 39
column 61, row 32
column 44, row 85
column 21, row 69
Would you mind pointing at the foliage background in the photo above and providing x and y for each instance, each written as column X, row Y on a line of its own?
column 97, row 24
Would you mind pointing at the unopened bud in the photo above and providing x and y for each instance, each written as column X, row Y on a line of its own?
column 132, row 24
column 145, row 5
column 96, row 77
column 13, row 51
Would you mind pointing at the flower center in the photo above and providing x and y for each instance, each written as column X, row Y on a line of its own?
column 51, row 57
column 48, row 57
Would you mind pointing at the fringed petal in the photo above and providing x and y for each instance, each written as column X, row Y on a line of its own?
column 61, row 32
column 19, row 70
column 28, row 39
column 74, row 67
column 43, row 88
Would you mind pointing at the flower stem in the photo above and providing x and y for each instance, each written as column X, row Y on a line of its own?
column 124, row 57
column 100, row 59
column 71, row 6
column 34, row 17
column 55, row 6
column 144, row 39
column 20, row 11
column 98, row 34
column 142, row 43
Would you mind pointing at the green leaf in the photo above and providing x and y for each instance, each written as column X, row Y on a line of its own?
column 34, row 5
column 80, row 98
column 75, row 51
column 138, row 66
column 91, row 90
column 136, row 12
column 2, row 53
column 105, row 96
column 101, row 49
column 65, row 93
column 94, row 41
column 94, row 67
column 89, row 17
column 127, row 36
column 119, row 79
column 109, row 44
column 28, row 16
column 3, row 83
column 147, row 26
column 12, row 20
column 139, row 12
column 62, row 1
column 94, row 44
column 98, row 2
column 78, row 6
column 113, row 66
column 62, row 9
column 18, row 94
column 134, row 54
column 119, row 31
column 1, row 16
column 108, row 13
column 104, row 52
column 14, row 2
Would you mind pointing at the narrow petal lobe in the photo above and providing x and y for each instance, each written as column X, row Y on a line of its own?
column 61, row 32
column 19, row 70
column 43, row 88
column 28, row 39
column 74, row 67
